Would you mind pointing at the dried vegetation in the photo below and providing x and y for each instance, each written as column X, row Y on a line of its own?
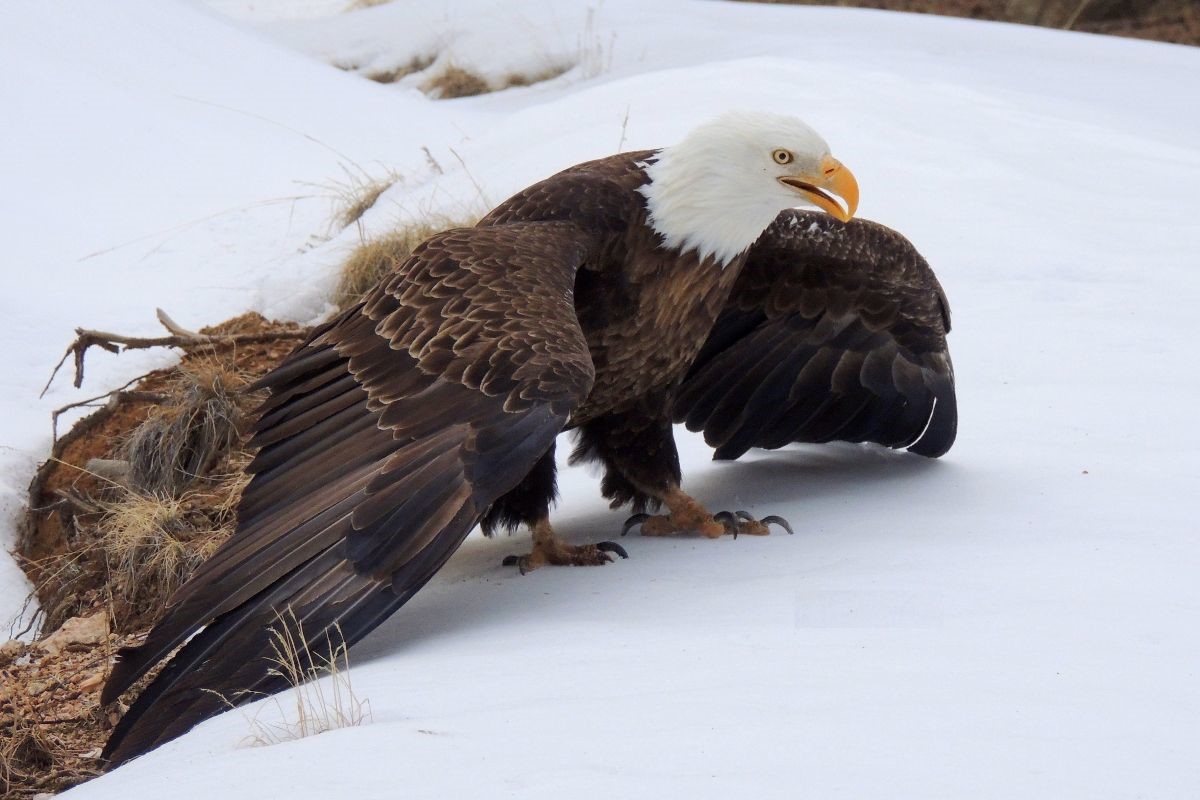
column 322, row 697
column 449, row 81
column 1163, row 20
column 133, row 499
column 374, row 258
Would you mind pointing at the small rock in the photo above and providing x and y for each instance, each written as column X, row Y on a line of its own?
column 10, row 651
column 92, row 681
column 77, row 630
column 37, row 687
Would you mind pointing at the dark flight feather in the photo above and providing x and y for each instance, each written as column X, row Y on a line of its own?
column 373, row 465
column 833, row 331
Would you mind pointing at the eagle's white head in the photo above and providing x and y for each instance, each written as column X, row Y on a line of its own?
column 717, row 190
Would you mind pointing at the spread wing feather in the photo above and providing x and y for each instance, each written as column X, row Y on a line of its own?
column 834, row 331
column 385, row 438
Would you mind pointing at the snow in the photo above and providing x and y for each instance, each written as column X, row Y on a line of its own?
column 1018, row 618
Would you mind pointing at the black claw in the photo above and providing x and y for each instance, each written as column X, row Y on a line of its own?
column 519, row 561
column 780, row 521
column 728, row 520
column 612, row 547
column 746, row 515
column 635, row 520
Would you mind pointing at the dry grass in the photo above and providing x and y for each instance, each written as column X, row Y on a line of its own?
column 316, row 705
column 454, row 81
column 111, row 550
column 451, row 80
column 25, row 753
column 373, row 259
column 550, row 72
column 130, row 509
column 183, row 438
column 153, row 543
column 359, row 194
column 415, row 64
column 1164, row 20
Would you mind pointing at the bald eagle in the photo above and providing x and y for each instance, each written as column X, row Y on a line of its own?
column 611, row 299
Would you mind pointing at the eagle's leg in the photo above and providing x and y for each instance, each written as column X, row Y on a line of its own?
column 529, row 504
column 641, row 462
column 637, row 447
column 549, row 549
column 686, row 514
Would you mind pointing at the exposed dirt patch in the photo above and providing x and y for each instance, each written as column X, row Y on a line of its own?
column 1175, row 21
column 138, row 494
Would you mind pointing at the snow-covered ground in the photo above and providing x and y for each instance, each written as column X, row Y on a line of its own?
column 1016, row 619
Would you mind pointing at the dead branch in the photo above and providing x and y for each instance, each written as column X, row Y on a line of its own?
column 77, row 502
column 179, row 337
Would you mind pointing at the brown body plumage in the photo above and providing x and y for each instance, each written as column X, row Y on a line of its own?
column 433, row 406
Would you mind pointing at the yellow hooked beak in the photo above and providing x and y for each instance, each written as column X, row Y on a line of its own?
column 835, row 181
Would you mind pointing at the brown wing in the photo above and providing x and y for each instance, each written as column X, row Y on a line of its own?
column 385, row 437
column 834, row 331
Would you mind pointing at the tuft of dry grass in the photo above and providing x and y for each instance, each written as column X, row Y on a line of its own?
column 415, row 64
column 153, row 543
column 183, row 438
column 1164, row 20
column 454, row 81
column 550, row 72
column 26, row 754
column 450, row 81
column 360, row 195
column 317, row 705
column 373, row 259
column 104, row 548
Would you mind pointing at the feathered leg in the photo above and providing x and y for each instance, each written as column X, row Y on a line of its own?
column 687, row 515
column 549, row 549
column 529, row 504
column 637, row 448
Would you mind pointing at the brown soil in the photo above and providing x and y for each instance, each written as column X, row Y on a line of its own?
column 51, row 724
column 1175, row 21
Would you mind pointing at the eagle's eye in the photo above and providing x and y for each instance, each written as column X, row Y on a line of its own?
column 782, row 156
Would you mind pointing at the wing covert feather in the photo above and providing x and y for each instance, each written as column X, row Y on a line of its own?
column 385, row 437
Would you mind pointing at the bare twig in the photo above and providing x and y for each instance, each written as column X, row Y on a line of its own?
column 470, row 177
column 174, row 327
column 624, row 127
column 76, row 501
column 433, row 162
column 180, row 337
column 114, row 398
